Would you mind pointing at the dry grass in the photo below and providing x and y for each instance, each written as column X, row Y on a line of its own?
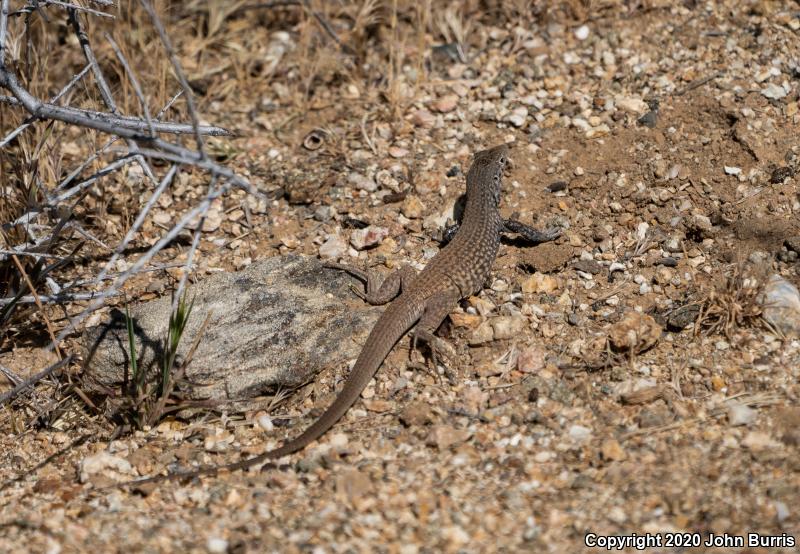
column 733, row 303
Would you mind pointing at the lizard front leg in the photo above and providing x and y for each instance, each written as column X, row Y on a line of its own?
column 529, row 233
column 378, row 292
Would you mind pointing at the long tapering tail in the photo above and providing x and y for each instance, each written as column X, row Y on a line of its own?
column 395, row 322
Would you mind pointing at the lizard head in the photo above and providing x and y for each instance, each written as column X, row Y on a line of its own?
column 486, row 172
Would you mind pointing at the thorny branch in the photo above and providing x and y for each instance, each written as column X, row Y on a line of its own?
column 144, row 141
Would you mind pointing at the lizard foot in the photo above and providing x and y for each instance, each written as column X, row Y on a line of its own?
column 531, row 234
column 439, row 348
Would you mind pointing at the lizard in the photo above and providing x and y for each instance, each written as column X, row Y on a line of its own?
column 418, row 302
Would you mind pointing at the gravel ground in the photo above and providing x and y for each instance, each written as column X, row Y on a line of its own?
column 662, row 137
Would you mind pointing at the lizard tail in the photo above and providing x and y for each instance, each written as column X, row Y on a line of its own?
column 395, row 322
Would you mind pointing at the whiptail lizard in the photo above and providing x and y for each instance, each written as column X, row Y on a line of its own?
column 425, row 298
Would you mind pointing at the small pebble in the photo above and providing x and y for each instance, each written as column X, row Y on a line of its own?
column 582, row 32
column 368, row 236
column 216, row 545
column 741, row 414
column 579, row 433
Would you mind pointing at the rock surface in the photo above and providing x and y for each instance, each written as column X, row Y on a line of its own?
column 278, row 322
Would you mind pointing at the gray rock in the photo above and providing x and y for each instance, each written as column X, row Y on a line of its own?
column 781, row 303
column 276, row 323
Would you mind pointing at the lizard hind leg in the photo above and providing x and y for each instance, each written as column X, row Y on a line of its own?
column 529, row 233
column 436, row 309
column 378, row 292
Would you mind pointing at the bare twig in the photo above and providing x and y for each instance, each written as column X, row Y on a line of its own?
column 3, row 29
column 195, row 243
column 134, row 82
column 38, row 301
column 77, row 171
column 101, row 121
column 138, row 223
column 327, row 28
column 10, row 136
column 179, row 74
column 55, row 299
column 698, row 83
column 75, row 7
column 13, row 393
column 105, row 91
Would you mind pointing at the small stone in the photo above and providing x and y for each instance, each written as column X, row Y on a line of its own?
column 732, row 170
column 592, row 267
column 780, row 302
column 499, row 285
column 368, row 236
column 455, row 536
column 757, row 441
column 398, row 152
column 445, row 104
column 353, row 486
column 483, row 334
column 216, row 545
column 617, row 515
column 582, row 32
column 649, row 120
column 362, row 182
column 673, row 171
column 334, row 248
column 265, row 422
column 540, row 283
column 324, row 213
column 612, row 451
column 780, row 174
column 579, row 433
column 781, row 510
column 633, row 105
column 412, row 207
column 518, row 116
column 423, row 118
column 774, row 92
column 351, row 92
column 507, row 327
column 599, row 131
column 702, row 223
column 416, row 414
column 635, row 332
column 104, row 463
column 531, row 359
column 718, row 383
column 542, row 457
column 470, row 321
column 557, row 186
column 663, row 276
column 741, row 414
column 445, row 436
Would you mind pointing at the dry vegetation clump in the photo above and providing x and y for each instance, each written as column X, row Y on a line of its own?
column 736, row 302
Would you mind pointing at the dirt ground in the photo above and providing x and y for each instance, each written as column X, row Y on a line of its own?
column 661, row 136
